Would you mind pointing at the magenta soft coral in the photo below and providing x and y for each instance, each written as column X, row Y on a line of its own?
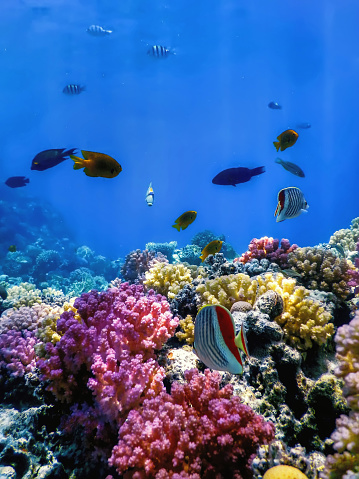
column 199, row 431
column 111, row 349
column 268, row 248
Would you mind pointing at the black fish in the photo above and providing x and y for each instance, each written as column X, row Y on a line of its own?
column 73, row 89
column 49, row 158
column 274, row 105
column 3, row 292
column 233, row 176
column 17, row 181
column 12, row 248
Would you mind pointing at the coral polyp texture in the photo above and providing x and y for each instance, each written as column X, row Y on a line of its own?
column 321, row 269
column 268, row 248
column 198, row 431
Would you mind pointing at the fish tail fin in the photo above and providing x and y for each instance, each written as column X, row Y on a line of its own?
column 241, row 341
column 79, row 162
column 26, row 180
column 258, row 171
column 276, row 144
column 178, row 227
column 202, row 257
column 69, row 152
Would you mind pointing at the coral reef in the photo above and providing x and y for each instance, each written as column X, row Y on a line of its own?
column 198, row 431
column 136, row 264
column 187, row 330
column 167, row 249
column 202, row 238
column 268, row 248
column 189, row 254
column 322, row 270
column 347, row 238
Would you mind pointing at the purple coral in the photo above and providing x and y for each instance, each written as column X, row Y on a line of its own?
column 17, row 353
column 268, row 248
column 199, row 431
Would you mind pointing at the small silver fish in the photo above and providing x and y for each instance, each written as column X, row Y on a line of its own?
column 73, row 89
column 159, row 51
column 150, row 195
column 291, row 167
column 98, row 31
column 274, row 105
column 304, row 126
column 291, row 203
column 215, row 341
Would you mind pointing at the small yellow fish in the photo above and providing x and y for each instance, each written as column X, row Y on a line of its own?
column 286, row 139
column 97, row 164
column 212, row 248
column 12, row 248
column 184, row 220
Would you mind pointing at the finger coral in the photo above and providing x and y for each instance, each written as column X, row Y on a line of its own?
column 322, row 269
column 199, row 431
column 268, row 248
column 348, row 237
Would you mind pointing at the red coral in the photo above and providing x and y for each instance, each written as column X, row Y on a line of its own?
column 199, row 431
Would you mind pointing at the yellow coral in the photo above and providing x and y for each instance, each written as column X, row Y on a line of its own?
column 284, row 472
column 169, row 279
column 226, row 290
column 187, row 333
column 303, row 320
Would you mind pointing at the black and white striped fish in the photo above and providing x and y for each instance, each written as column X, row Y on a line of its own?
column 215, row 342
column 73, row 89
column 98, row 31
column 159, row 51
column 291, row 203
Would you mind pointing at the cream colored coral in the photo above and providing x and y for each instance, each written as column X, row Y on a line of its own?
column 26, row 294
column 347, row 238
column 226, row 290
column 168, row 279
column 187, row 333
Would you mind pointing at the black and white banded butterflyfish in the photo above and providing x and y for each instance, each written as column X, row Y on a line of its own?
column 215, row 341
column 291, row 203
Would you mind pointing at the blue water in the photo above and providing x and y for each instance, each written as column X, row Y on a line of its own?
column 178, row 121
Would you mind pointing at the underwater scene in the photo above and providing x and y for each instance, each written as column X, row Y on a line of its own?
column 179, row 239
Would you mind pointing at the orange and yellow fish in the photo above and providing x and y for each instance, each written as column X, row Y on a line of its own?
column 185, row 220
column 212, row 248
column 286, row 139
column 97, row 164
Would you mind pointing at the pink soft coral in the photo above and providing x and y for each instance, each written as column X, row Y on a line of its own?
column 199, row 431
column 268, row 248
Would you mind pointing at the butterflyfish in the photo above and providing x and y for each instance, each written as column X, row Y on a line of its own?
column 291, row 203
column 97, row 164
column 285, row 140
column 150, row 196
column 98, row 31
column 215, row 341
column 185, row 220
column 73, row 89
column 159, row 51
column 212, row 248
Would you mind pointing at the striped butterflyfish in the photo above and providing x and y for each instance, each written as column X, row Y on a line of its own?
column 215, row 341
column 291, row 203
column 159, row 51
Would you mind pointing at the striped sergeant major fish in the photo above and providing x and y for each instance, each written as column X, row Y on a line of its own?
column 291, row 203
column 150, row 195
column 98, row 31
column 73, row 89
column 215, row 341
column 159, row 51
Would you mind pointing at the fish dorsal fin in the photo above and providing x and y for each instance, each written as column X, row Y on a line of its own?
column 86, row 154
column 241, row 341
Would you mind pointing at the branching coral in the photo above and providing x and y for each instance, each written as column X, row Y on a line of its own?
column 268, row 248
column 187, row 330
column 347, row 238
column 322, row 269
column 136, row 264
column 197, row 432
column 26, row 294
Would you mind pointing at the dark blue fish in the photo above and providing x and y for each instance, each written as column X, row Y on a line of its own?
column 3, row 292
column 304, row 126
column 73, row 89
column 50, row 158
column 159, row 51
column 233, row 176
column 17, row 181
column 274, row 105
column 291, row 167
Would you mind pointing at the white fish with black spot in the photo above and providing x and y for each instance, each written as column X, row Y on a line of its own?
column 160, row 51
column 98, row 31
column 72, row 89
column 291, row 203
